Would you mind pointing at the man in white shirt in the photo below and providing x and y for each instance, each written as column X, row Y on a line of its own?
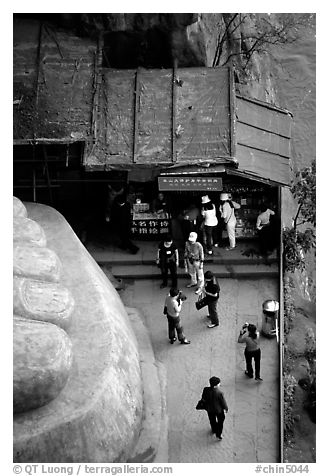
column 194, row 258
column 227, row 208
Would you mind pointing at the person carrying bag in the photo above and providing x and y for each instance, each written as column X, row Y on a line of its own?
column 213, row 401
column 210, row 299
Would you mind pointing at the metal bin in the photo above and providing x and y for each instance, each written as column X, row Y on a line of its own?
column 270, row 318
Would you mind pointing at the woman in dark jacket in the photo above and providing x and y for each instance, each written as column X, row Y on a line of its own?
column 216, row 405
column 252, row 350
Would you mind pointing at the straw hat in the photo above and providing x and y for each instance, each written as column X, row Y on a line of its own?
column 205, row 199
column 223, row 196
column 193, row 236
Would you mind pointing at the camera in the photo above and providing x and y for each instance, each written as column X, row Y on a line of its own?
column 181, row 297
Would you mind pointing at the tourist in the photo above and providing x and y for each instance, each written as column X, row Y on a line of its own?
column 121, row 221
column 252, row 350
column 208, row 211
column 160, row 204
column 172, row 308
column 263, row 226
column 227, row 208
column 194, row 258
column 215, row 405
column 168, row 260
column 211, row 291
column 191, row 218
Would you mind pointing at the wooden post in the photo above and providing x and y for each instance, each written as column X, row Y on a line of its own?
column 173, row 113
column 232, row 103
column 96, row 84
column 281, row 332
column 136, row 105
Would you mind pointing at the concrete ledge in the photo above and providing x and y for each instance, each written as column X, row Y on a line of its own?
column 147, row 446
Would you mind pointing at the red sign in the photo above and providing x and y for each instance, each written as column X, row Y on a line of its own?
column 209, row 184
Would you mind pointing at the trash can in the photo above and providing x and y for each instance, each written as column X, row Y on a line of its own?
column 270, row 318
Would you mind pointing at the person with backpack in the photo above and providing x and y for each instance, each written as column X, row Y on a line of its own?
column 215, row 405
column 227, row 207
column 252, row 350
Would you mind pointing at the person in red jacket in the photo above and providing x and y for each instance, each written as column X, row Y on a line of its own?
column 216, row 406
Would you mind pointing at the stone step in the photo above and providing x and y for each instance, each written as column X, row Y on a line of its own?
column 216, row 260
column 143, row 271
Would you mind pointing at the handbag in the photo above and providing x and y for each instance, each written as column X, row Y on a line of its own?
column 201, row 405
column 201, row 302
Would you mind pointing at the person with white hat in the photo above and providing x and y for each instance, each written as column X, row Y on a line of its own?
column 194, row 258
column 208, row 211
column 227, row 208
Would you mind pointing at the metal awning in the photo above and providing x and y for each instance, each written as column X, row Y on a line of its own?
column 204, row 168
column 250, row 175
column 215, row 170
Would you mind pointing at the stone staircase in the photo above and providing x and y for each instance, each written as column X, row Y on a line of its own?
column 243, row 262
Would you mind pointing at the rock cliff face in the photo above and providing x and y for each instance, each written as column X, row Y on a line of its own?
column 160, row 40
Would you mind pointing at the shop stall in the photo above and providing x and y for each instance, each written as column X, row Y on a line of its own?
column 147, row 224
column 251, row 195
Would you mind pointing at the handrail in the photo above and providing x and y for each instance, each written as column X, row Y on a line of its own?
column 281, row 335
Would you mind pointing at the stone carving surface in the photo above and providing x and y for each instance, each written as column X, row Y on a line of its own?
column 43, row 301
column 78, row 391
column 42, row 350
column 42, row 362
column 19, row 209
column 36, row 262
column 27, row 230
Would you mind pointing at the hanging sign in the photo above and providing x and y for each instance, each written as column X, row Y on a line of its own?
column 209, row 184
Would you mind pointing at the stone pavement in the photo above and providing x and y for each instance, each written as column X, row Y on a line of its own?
column 251, row 428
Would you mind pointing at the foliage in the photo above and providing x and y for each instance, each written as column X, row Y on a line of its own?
column 289, row 385
column 304, row 191
column 289, row 307
column 298, row 242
